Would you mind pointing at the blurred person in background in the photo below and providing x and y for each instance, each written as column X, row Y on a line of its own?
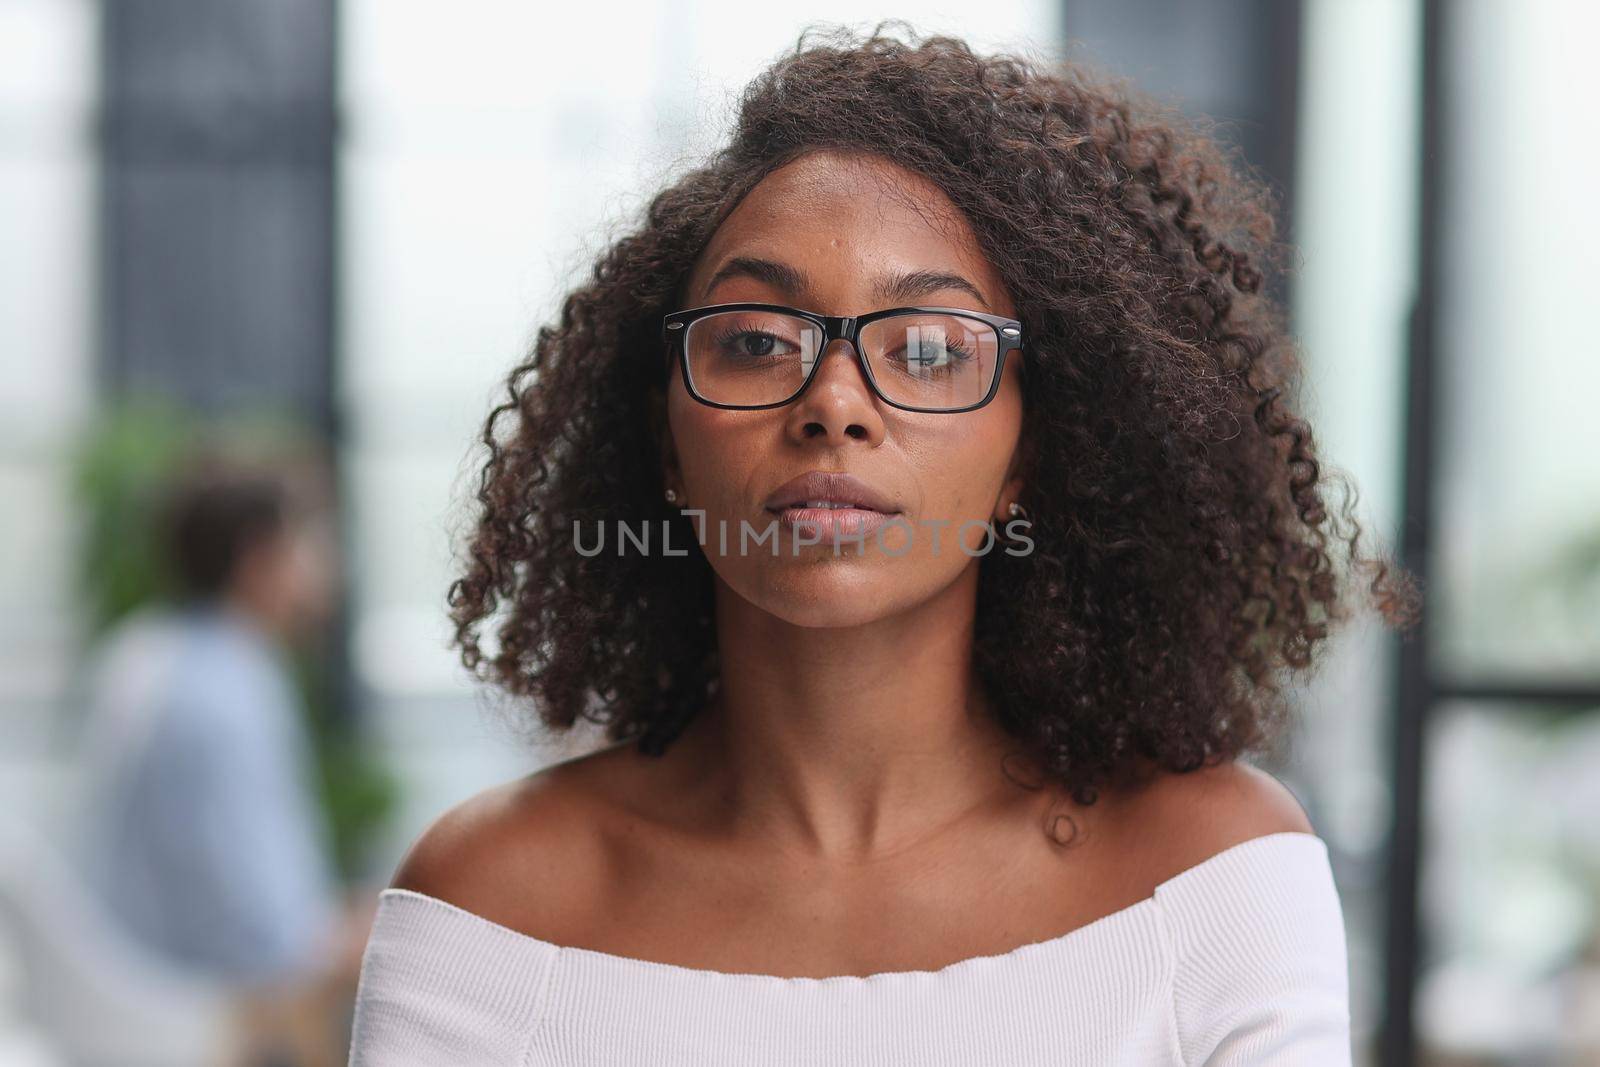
column 202, row 831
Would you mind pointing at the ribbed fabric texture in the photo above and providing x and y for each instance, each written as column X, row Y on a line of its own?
column 1239, row 960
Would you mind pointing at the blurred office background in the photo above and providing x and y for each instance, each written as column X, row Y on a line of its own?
column 355, row 215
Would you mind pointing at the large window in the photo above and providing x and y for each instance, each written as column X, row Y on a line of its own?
column 1518, row 491
column 1508, row 958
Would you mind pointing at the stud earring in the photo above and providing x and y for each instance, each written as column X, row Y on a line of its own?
column 672, row 496
column 1016, row 510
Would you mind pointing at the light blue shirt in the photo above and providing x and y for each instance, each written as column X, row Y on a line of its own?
column 203, row 834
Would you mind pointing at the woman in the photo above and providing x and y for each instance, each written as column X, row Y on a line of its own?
column 879, row 796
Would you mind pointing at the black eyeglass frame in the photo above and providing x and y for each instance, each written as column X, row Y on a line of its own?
column 675, row 327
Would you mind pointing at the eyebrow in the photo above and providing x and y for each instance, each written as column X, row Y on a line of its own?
column 903, row 288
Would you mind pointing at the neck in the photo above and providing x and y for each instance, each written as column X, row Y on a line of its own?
column 850, row 742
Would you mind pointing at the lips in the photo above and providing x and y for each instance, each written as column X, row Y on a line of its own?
column 832, row 524
column 831, row 490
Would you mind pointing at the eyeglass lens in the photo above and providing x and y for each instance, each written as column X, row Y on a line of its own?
column 920, row 359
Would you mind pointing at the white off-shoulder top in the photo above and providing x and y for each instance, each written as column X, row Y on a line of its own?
column 1238, row 961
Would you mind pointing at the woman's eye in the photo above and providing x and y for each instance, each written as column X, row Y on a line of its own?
column 935, row 355
column 760, row 344
column 750, row 343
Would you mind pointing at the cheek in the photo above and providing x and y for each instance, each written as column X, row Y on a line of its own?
column 959, row 464
column 715, row 448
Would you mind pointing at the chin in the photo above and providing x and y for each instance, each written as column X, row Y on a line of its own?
column 824, row 592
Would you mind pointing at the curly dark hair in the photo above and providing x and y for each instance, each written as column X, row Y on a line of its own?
column 1181, row 568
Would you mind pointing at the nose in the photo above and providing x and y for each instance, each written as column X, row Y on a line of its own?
column 839, row 403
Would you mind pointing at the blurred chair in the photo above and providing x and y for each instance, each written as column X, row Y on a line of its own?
column 98, row 996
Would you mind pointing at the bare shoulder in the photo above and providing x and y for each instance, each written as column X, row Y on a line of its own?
column 526, row 843
column 1235, row 801
column 1183, row 819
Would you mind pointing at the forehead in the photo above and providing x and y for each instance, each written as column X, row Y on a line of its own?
column 831, row 214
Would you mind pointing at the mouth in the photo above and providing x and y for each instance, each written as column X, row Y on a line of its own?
column 831, row 505
column 830, row 520
column 830, row 491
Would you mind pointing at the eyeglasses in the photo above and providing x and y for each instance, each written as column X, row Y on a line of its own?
column 934, row 359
